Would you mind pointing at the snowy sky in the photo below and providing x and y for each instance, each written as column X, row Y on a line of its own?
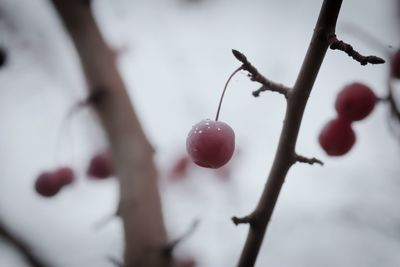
column 175, row 57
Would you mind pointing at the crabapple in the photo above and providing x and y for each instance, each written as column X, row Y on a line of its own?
column 101, row 166
column 64, row 175
column 395, row 65
column 337, row 137
column 46, row 185
column 210, row 143
column 355, row 102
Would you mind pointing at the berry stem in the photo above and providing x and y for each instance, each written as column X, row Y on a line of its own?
column 223, row 91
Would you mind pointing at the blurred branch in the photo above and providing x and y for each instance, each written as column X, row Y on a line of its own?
column 140, row 205
column 172, row 245
column 22, row 248
column 285, row 155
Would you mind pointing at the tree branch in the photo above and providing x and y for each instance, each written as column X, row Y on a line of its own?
column 243, row 220
column 297, row 99
column 140, row 206
column 349, row 50
column 256, row 76
column 311, row 161
column 28, row 255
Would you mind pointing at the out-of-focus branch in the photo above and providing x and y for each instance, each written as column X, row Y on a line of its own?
column 22, row 248
column 140, row 205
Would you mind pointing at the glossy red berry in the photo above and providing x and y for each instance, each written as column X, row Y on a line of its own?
column 64, row 175
column 101, row 166
column 337, row 137
column 46, row 185
column 395, row 65
column 355, row 102
column 210, row 143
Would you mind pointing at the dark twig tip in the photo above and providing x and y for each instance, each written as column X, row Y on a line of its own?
column 242, row 220
column 239, row 56
column 375, row 60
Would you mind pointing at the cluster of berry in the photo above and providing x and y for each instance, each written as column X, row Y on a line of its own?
column 354, row 103
column 48, row 184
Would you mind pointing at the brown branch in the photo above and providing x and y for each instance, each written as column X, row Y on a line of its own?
column 140, row 205
column 27, row 253
column 311, row 161
column 243, row 220
column 256, row 76
column 296, row 103
column 336, row 44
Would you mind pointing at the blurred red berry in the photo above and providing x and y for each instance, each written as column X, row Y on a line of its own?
column 210, row 143
column 64, row 175
column 180, row 167
column 337, row 137
column 355, row 102
column 395, row 65
column 101, row 166
column 46, row 185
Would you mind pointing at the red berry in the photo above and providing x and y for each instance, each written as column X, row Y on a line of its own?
column 180, row 167
column 101, row 166
column 64, row 175
column 46, row 185
column 395, row 65
column 337, row 137
column 355, row 102
column 210, row 143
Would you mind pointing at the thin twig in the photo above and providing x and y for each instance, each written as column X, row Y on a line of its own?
column 256, row 76
column 243, row 220
column 367, row 38
column 22, row 248
column 336, row 44
column 311, row 161
column 172, row 245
